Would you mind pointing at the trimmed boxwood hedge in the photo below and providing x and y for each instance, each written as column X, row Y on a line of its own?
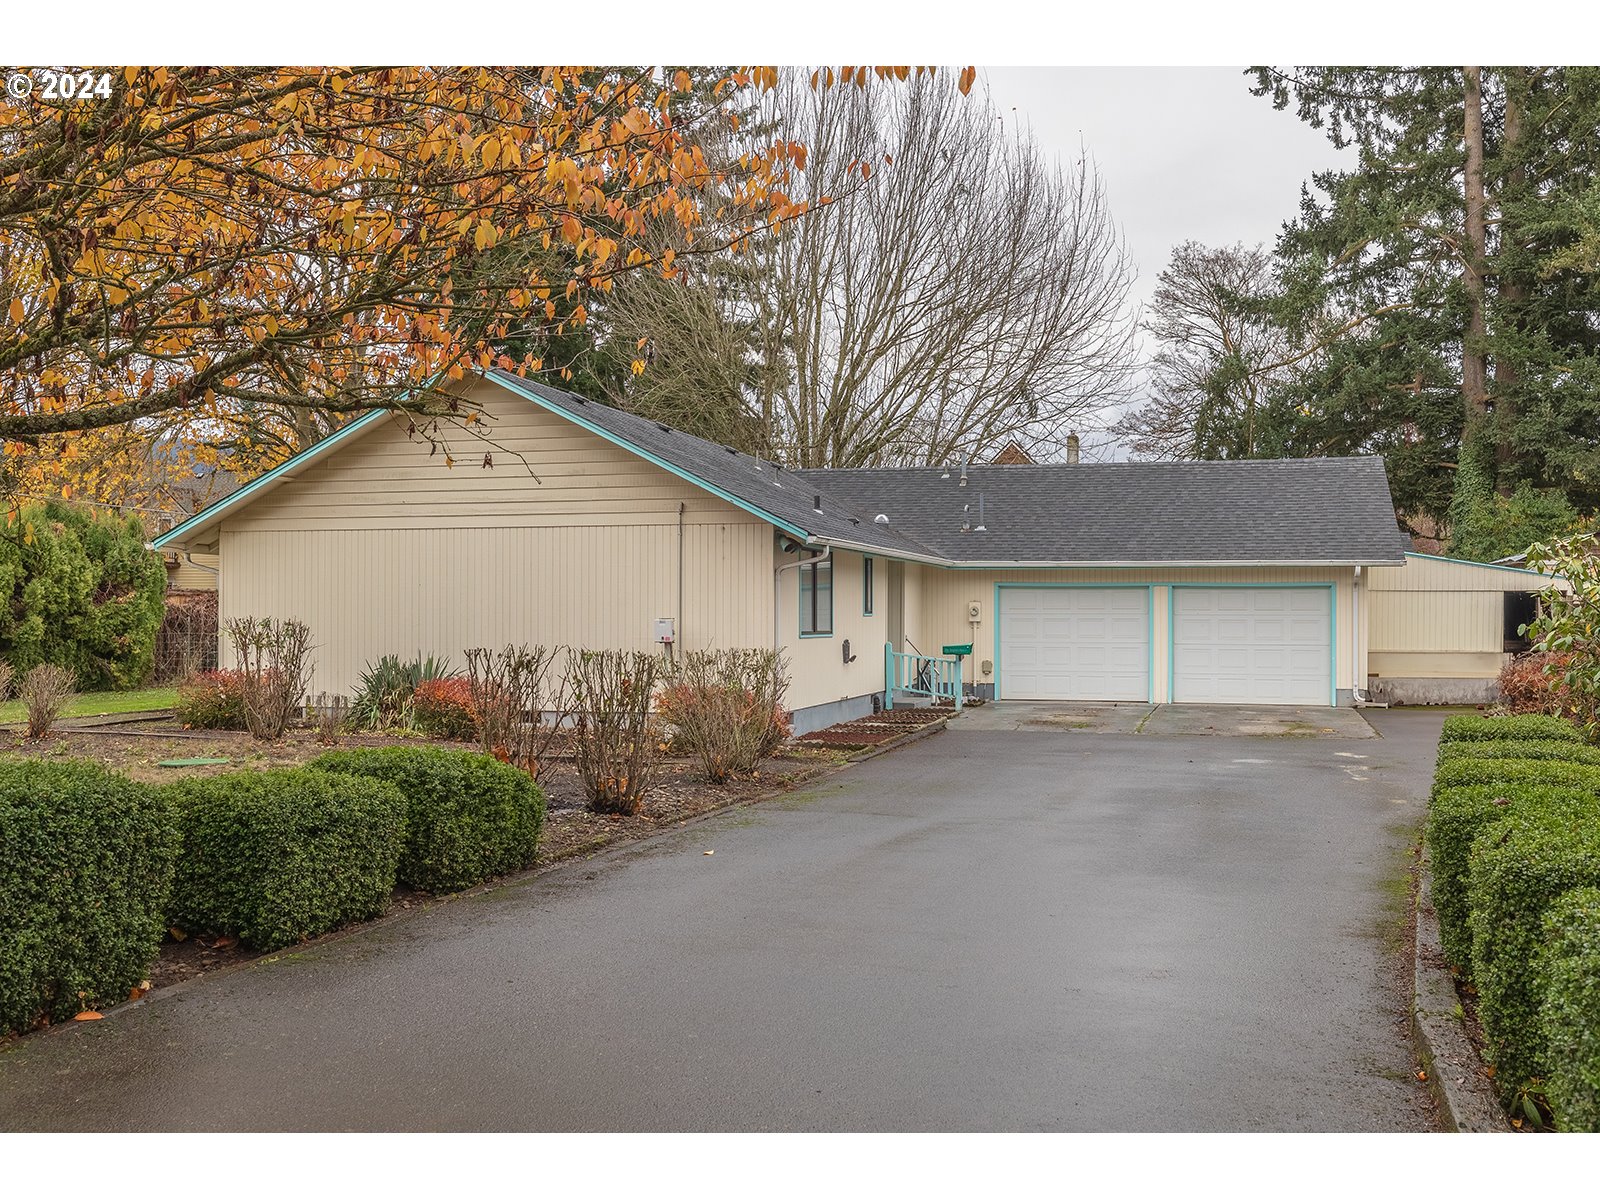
column 1526, row 728
column 1528, row 751
column 1520, row 866
column 1466, row 772
column 1570, row 973
column 86, row 861
column 470, row 816
column 278, row 856
column 1455, row 818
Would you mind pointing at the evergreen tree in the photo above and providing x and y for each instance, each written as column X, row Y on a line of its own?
column 1448, row 283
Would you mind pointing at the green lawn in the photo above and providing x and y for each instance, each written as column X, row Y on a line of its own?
column 93, row 704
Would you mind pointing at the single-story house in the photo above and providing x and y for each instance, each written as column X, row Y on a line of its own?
column 551, row 519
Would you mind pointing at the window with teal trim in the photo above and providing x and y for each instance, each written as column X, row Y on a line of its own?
column 866, row 587
column 816, row 599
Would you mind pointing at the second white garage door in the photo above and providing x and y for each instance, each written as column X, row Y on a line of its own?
column 1074, row 643
column 1251, row 645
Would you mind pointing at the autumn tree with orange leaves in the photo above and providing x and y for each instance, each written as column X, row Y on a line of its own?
column 330, row 240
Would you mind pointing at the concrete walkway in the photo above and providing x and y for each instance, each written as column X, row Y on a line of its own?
column 990, row 930
column 1226, row 720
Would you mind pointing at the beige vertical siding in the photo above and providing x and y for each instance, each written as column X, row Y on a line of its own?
column 1441, row 619
column 385, row 550
column 185, row 576
column 946, row 593
column 817, row 669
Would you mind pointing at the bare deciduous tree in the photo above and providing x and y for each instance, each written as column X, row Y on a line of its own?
column 950, row 289
column 1218, row 357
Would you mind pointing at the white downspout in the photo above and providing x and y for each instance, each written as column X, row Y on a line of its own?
column 777, row 593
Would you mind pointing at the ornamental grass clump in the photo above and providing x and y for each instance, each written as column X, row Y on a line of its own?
column 615, row 734
column 726, row 708
column 45, row 692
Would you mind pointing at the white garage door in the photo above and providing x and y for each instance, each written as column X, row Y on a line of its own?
column 1251, row 646
column 1074, row 644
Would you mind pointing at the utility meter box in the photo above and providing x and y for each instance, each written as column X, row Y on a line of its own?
column 666, row 632
column 974, row 610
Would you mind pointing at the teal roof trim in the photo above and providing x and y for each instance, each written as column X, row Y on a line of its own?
column 1467, row 562
column 671, row 468
column 211, row 511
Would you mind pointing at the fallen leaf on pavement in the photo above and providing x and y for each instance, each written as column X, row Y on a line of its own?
column 89, row 1016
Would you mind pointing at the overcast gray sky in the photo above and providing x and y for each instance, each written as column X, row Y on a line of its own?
column 1185, row 152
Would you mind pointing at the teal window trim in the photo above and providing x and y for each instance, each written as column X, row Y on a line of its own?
column 811, row 570
column 1333, row 629
column 1150, row 625
column 867, row 573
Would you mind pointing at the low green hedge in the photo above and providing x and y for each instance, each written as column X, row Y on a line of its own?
column 1520, row 866
column 1571, row 1013
column 1528, row 751
column 1504, row 772
column 278, row 856
column 1455, row 818
column 470, row 817
column 86, row 861
column 1527, row 728
column 1570, row 973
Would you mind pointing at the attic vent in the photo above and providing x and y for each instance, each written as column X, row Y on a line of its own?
column 730, row 450
column 663, row 428
column 880, row 519
column 816, row 502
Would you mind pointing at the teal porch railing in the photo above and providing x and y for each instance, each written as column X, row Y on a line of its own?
column 920, row 675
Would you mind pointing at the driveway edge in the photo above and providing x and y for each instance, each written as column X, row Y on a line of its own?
column 1455, row 1072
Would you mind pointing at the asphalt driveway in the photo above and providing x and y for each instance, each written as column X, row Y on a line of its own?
column 988, row 930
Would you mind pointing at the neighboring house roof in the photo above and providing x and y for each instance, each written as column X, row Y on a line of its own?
column 1307, row 510
column 1012, row 455
column 1291, row 511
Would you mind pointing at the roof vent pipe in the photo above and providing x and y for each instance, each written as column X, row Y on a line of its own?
column 1072, row 448
column 881, row 519
column 816, row 502
column 982, row 528
column 963, row 473
column 966, row 522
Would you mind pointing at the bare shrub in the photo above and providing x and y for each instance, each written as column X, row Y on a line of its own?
column 45, row 691
column 1532, row 683
column 615, row 731
column 7, row 674
column 272, row 658
column 333, row 716
column 725, row 707
column 520, row 699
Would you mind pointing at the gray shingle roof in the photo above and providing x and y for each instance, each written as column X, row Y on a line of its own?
column 1313, row 510
column 1318, row 510
column 1306, row 510
column 780, row 493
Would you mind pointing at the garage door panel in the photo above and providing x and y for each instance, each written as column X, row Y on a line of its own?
column 1079, row 644
column 1251, row 645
